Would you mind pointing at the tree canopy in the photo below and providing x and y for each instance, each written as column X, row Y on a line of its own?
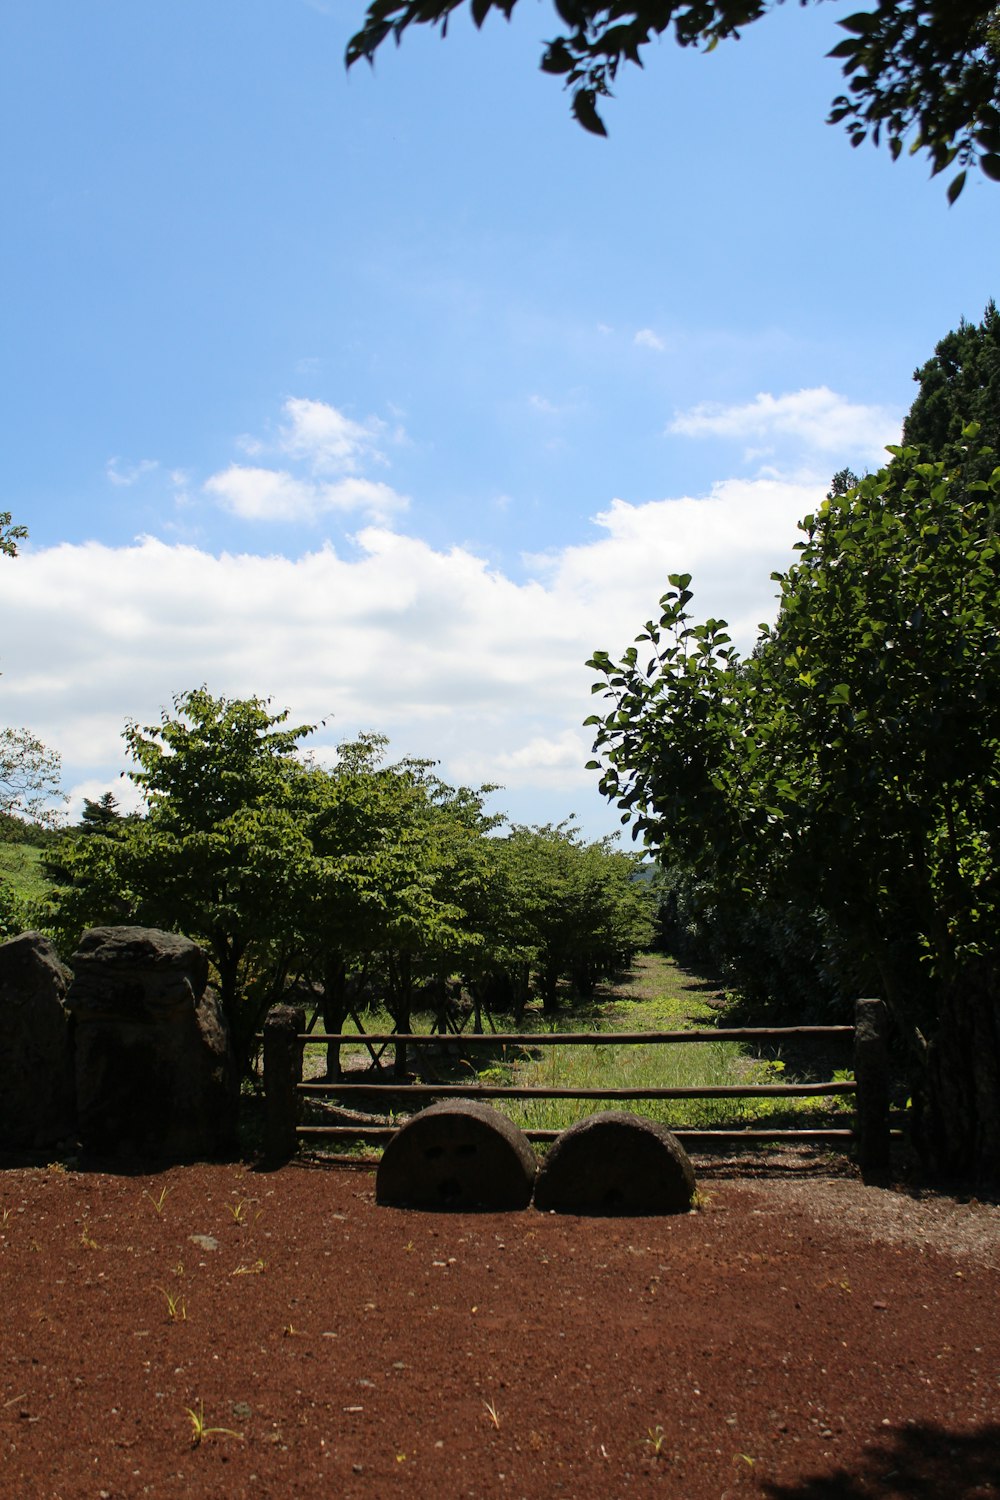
column 362, row 872
column 220, row 852
column 851, row 764
column 29, row 770
column 919, row 73
column 29, row 777
column 10, row 535
column 959, row 384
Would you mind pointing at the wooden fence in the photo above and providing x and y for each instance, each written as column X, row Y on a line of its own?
column 285, row 1037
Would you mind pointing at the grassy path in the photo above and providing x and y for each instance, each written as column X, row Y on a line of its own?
column 656, row 995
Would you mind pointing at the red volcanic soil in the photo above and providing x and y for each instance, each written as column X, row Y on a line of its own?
column 808, row 1339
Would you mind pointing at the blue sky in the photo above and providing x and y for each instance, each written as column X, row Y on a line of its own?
column 391, row 396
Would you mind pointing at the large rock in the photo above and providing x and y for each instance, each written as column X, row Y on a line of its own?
column 36, row 1074
column 616, row 1163
column 155, row 1075
column 460, row 1155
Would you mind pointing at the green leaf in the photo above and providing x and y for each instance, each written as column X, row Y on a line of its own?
column 557, row 58
column 990, row 164
column 955, row 186
column 585, row 111
column 861, row 22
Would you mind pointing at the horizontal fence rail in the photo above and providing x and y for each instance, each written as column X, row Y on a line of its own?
column 377, row 1133
column 571, row 1038
column 511, row 1091
column 285, row 1037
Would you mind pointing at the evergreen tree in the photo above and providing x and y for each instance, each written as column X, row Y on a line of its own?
column 959, row 384
column 100, row 816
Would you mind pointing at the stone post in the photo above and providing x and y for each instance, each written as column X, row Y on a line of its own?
column 871, row 1069
column 282, row 1074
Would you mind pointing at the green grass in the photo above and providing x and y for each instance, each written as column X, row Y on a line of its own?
column 21, row 868
column 657, row 995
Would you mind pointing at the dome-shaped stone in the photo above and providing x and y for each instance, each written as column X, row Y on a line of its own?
column 460, row 1155
column 616, row 1163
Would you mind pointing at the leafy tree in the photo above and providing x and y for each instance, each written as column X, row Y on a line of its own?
column 15, row 912
column 10, row 535
column 397, row 865
column 29, row 771
column 855, row 755
column 221, row 853
column 574, row 909
column 923, row 70
column 29, row 777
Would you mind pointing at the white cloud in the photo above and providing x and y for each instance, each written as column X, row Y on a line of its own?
column 556, row 762
column 820, row 420
column 332, row 450
column 646, row 338
column 326, row 439
column 128, row 475
column 256, row 494
column 448, row 656
column 544, row 405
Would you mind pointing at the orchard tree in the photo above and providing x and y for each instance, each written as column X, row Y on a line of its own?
column 854, row 756
column 918, row 72
column 575, row 909
column 220, row 854
column 397, row 883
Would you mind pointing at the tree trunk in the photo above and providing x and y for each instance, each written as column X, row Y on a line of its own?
column 522, row 990
column 334, row 1010
column 549, row 985
column 227, row 955
column 957, row 1131
column 583, row 979
column 402, row 1001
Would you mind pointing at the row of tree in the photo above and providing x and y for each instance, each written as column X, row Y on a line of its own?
column 829, row 807
column 367, row 873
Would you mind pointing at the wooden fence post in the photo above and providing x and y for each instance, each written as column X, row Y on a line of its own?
column 282, row 1075
column 871, row 1070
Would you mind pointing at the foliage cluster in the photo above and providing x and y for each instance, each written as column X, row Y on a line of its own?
column 365, row 873
column 845, row 777
column 919, row 73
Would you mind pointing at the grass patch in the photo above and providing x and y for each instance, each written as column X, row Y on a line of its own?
column 656, row 995
column 21, row 868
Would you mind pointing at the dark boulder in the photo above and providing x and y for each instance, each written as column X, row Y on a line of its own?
column 36, row 1073
column 155, row 1076
column 616, row 1163
column 460, row 1155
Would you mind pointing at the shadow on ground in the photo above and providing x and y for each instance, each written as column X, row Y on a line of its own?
column 918, row 1462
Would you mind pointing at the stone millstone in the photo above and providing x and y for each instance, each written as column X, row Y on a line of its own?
column 616, row 1163
column 460, row 1156
column 154, row 1070
column 37, row 1104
